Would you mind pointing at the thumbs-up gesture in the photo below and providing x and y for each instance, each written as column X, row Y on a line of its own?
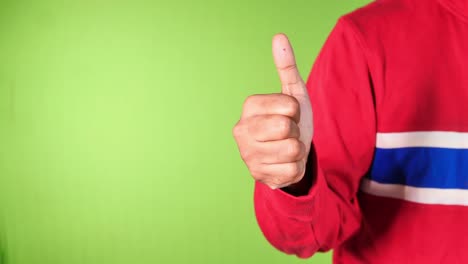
column 275, row 130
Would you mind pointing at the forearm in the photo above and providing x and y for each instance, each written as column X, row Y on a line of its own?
column 305, row 224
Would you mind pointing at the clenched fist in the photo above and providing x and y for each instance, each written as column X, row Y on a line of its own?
column 275, row 130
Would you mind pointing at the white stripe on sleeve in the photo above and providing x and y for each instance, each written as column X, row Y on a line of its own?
column 435, row 139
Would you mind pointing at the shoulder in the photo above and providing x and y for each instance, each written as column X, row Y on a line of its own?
column 382, row 18
column 381, row 12
column 382, row 9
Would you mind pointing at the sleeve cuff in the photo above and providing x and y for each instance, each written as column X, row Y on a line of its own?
column 301, row 208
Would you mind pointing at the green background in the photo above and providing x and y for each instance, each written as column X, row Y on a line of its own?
column 115, row 126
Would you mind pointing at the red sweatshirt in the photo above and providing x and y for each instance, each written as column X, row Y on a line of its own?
column 389, row 92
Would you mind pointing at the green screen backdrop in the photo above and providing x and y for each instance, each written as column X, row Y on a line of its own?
column 115, row 126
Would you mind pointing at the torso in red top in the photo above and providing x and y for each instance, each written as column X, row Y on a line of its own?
column 390, row 99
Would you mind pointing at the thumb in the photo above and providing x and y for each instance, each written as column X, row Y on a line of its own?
column 293, row 85
column 283, row 55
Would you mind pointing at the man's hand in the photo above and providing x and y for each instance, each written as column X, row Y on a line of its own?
column 275, row 130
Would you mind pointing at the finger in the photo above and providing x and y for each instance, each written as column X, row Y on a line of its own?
column 271, row 104
column 283, row 55
column 282, row 175
column 281, row 151
column 272, row 127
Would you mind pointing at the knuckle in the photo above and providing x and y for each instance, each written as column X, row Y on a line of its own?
column 244, row 130
column 256, row 174
column 291, row 105
column 277, row 181
column 292, row 170
column 295, row 180
column 246, row 155
column 294, row 148
column 270, row 184
column 250, row 101
column 236, row 130
column 289, row 67
column 284, row 125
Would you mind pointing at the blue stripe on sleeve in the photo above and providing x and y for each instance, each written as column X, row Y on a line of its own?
column 423, row 167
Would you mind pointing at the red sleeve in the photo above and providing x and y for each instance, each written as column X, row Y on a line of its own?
column 340, row 89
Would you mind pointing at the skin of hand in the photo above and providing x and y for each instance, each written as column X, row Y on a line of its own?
column 275, row 131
